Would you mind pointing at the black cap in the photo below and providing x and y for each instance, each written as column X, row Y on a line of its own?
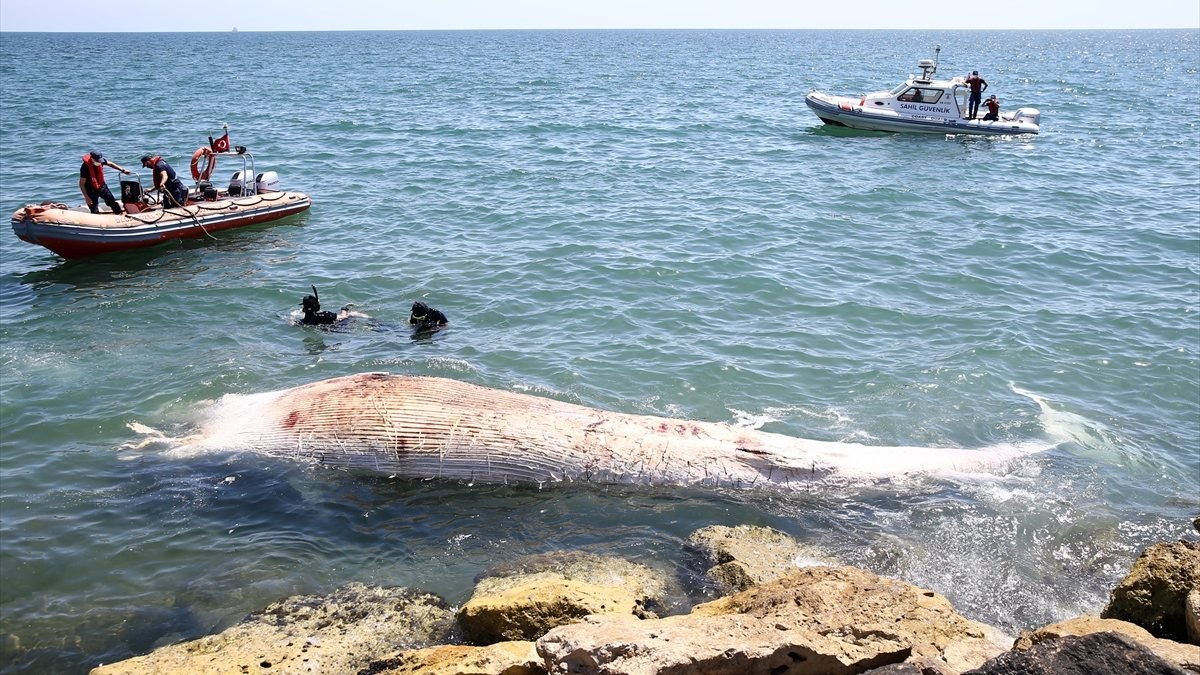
column 145, row 158
column 96, row 156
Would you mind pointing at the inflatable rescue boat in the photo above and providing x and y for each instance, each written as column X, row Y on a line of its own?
column 248, row 199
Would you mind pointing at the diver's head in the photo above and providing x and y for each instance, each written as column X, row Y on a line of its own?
column 310, row 303
column 420, row 310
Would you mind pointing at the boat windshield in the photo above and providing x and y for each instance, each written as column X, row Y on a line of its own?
column 961, row 95
column 899, row 88
column 921, row 95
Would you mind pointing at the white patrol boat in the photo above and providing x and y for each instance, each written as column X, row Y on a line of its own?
column 922, row 105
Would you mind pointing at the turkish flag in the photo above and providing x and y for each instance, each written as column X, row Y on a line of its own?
column 221, row 144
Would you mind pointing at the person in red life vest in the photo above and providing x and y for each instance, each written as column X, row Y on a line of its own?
column 978, row 85
column 92, row 184
column 993, row 106
column 173, row 191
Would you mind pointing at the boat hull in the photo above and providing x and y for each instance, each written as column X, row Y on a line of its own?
column 848, row 112
column 75, row 234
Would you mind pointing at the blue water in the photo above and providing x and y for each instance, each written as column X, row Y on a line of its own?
column 647, row 221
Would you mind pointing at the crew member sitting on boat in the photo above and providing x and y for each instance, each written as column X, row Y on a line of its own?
column 993, row 106
column 173, row 191
column 92, row 184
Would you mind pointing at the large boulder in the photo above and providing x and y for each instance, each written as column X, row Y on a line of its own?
column 524, row 600
column 1091, row 654
column 337, row 633
column 1154, row 593
column 1192, row 616
column 736, row 558
column 1184, row 656
column 710, row 645
column 502, row 658
column 814, row 620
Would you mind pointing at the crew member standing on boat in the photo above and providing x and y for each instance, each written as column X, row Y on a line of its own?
column 173, row 191
column 978, row 86
column 92, row 184
column 993, row 113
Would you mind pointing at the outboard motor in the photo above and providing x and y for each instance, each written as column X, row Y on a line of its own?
column 237, row 186
column 131, row 194
column 268, row 181
column 1030, row 115
column 207, row 191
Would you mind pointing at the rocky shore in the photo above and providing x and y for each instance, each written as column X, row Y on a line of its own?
column 781, row 610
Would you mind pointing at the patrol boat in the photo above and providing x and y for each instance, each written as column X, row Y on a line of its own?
column 921, row 105
column 249, row 198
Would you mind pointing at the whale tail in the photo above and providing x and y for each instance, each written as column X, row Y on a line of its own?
column 855, row 461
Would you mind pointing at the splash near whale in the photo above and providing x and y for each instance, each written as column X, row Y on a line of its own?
column 428, row 427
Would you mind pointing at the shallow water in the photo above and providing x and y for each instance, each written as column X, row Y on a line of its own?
column 646, row 221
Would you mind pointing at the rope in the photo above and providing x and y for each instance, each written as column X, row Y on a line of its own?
column 199, row 224
column 200, row 206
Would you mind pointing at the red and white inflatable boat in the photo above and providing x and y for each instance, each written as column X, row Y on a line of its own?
column 75, row 232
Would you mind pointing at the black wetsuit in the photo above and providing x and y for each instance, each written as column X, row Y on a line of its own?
column 312, row 318
column 424, row 317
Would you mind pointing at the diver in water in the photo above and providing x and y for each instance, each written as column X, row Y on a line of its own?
column 425, row 318
column 313, row 316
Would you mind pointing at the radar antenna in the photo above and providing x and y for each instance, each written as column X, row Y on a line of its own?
column 928, row 68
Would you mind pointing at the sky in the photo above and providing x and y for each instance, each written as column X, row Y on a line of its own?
column 292, row 15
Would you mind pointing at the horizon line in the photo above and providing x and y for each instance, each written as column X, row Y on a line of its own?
column 235, row 29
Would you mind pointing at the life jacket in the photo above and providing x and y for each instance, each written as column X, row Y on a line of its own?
column 159, row 172
column 993, row 105
column 95, row 173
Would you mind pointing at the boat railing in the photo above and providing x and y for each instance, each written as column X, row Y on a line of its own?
column 243, row 182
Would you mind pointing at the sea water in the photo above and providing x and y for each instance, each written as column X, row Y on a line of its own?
column 650, row 222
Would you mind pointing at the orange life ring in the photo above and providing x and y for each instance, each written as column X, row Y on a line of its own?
column 210, row 163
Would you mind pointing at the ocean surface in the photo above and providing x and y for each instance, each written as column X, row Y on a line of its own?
column 650, row 222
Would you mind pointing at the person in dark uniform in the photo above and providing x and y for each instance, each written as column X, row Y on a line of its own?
column 993, row 106
column 426, row 318
column 92, row 184
column 978, row 85
column 173, row 191
column 313, row 316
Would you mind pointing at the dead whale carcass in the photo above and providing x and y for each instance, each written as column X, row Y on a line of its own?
column 427, row 427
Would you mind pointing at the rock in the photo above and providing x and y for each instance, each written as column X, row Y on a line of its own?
column 1153, row 594
column 1192, row 616
column 829, row 599
column 524, row 600
column 341, row 632
column 527, row 611
column 814, row 620
column 502, row 658
column 713, row 645
column 1182, row 655
column 1091, row 654
column 895, row 669
column 736, row 558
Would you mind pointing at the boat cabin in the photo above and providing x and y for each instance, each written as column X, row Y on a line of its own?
column 938, row 98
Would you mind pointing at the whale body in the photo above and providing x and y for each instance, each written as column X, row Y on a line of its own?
column 428, row 427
